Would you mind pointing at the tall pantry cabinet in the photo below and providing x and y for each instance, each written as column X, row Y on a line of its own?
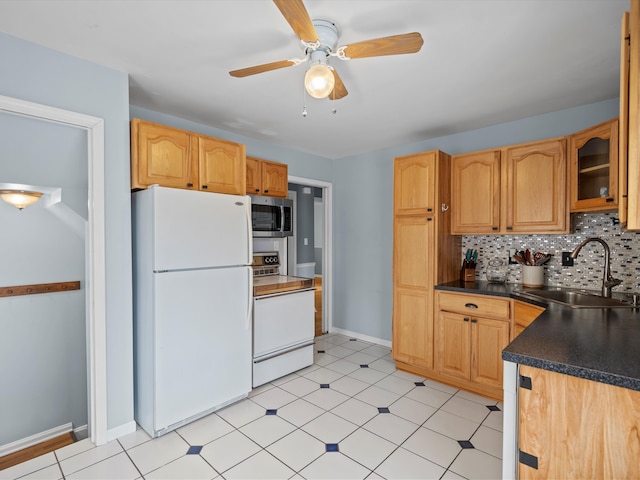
column 424, row 253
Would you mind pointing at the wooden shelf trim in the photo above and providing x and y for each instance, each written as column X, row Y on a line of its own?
column 593, row 169
column 38, row 288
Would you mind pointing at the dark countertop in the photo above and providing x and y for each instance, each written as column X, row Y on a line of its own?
column 600, row 344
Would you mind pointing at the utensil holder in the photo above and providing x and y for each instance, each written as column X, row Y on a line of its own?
column 532, row 276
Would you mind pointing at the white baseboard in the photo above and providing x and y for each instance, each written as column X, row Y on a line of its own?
column 35, row 439
column 360, row 336
column 81, row 432
column 121, row 431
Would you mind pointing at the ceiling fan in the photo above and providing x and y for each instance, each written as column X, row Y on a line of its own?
column 319, row 41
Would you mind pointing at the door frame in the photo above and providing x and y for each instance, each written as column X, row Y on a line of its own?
column 327, row 250
column 94, row 252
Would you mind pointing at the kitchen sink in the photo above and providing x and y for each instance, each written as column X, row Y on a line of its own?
column 577, row 299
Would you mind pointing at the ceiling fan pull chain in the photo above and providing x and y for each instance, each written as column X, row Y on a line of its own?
column 304, row 101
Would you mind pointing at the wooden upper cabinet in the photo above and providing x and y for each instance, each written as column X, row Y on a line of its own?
column 623, row 119
column 265, row 177
column 516, row 189
column 162, row 155
column 475, row 192
column 593, row 168
column 222, row 166
column 176, row 158
column 535, row 188
column 414, row 184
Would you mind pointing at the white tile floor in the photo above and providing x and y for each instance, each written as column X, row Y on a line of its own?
column 329, row 420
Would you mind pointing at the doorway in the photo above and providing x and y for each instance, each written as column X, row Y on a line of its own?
column 94, row 249
column 317, row 262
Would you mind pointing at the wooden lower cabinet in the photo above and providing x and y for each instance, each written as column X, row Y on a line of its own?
column 469, row 341
column 523, row 314
column 470, row 348
column 570, row 427
column 413, row 327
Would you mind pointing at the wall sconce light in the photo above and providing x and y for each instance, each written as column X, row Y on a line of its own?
column 20, row 198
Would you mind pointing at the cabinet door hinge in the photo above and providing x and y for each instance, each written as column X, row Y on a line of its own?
column 528, row 459
column 525, row 382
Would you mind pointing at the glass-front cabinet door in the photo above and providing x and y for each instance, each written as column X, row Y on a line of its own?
column 594, row 168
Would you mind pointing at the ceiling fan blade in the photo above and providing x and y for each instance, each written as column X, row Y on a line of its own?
column 394, row 45
column 267, row 67
column 339, row 90
column 296, row 14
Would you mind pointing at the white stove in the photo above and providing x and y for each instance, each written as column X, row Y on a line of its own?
column 283, row 320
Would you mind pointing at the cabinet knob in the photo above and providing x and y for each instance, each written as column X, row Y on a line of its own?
column 257, row 190
column 429, row 209
column 609, row 199
column 466, row 319
column 495, row 229
column 204, row 187
column 471, row 305
column 429, row 219
column 266, row 191
column 509, row 228
column 189, row 185
column 473, row 320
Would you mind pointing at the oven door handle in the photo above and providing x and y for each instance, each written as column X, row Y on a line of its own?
column 277, row 354
column 288, row 292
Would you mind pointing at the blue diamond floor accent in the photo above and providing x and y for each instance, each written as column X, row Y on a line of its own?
column 419, row 384
column 272, row 411
column 324, row 385
column 383, row 410
column 493, row 408
column 332, row 447
column 466, row 444
column 320, row 351
column 194, row 450
column 364, row 366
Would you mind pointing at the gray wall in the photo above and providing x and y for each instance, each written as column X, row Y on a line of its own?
column 37, row 74
column 42, row 346
column 304, row 224
column 363, row 210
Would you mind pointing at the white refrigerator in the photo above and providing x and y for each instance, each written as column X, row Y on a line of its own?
column 192, row 304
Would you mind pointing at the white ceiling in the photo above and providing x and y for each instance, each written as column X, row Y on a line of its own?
column 483, row 62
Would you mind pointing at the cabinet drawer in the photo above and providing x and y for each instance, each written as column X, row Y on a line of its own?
column 476, row 305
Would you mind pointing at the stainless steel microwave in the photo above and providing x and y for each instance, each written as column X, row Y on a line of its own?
column 271, row 216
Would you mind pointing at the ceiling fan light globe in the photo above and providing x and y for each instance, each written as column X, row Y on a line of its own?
column 319, row 81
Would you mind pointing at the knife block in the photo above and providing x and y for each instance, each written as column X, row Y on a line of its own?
column 468, row 274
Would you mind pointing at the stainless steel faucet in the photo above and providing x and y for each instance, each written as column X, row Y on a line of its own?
column 608, row 282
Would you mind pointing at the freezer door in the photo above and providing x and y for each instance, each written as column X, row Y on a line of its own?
column 202, row 341
column 200, row 229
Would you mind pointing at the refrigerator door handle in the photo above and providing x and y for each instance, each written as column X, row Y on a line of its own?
column 250, row 299
column 249, row 235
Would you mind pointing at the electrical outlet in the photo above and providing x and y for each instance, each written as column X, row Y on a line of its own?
column 567, row 261
column 512, row 252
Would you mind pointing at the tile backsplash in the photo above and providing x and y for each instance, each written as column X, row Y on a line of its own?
column 588, row 268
